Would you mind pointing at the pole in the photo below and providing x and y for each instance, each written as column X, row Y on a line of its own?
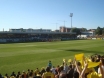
column 71, row 15
column 71, row 22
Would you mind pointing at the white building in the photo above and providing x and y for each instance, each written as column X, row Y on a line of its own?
column 86, row 34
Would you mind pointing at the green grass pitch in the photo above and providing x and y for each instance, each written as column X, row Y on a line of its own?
column 22, row 56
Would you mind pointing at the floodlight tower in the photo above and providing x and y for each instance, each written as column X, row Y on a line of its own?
column 71, row 15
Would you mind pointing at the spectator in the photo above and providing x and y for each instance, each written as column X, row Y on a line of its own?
column 42, row 70
column 36, row 71
column 24, row 75
column 48, row 74
column 30, row 75
column 66, row 67
column 53, row 70
column 13, row 74
column 70, row 72
column 38, row 75
column 102, row 66
column 6, row 76
column 28, row 72
column 75, row 74
column 62, row 73
column 18, row 75
column 1, row 76
column 50, row 64
column 57, row 68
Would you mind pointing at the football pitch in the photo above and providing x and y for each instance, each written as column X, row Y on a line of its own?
column 23, row 56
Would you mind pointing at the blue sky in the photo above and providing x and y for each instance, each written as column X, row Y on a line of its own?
column 44, row 14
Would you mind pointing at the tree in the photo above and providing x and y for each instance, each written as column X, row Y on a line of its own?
column 103, row 31
column 83, row 29
column 98, row 31
column 76, row 30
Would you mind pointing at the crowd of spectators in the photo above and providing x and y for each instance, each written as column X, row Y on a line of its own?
column 77, row 68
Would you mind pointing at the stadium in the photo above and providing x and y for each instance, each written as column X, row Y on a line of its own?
column 40, row 47
column 34, row 47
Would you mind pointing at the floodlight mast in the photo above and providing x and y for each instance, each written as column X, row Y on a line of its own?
column 71, row 15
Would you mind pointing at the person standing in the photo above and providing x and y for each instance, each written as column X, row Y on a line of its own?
column 48, row 73
column 50, row 64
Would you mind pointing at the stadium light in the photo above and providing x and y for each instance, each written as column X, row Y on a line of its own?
column 71, row 15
